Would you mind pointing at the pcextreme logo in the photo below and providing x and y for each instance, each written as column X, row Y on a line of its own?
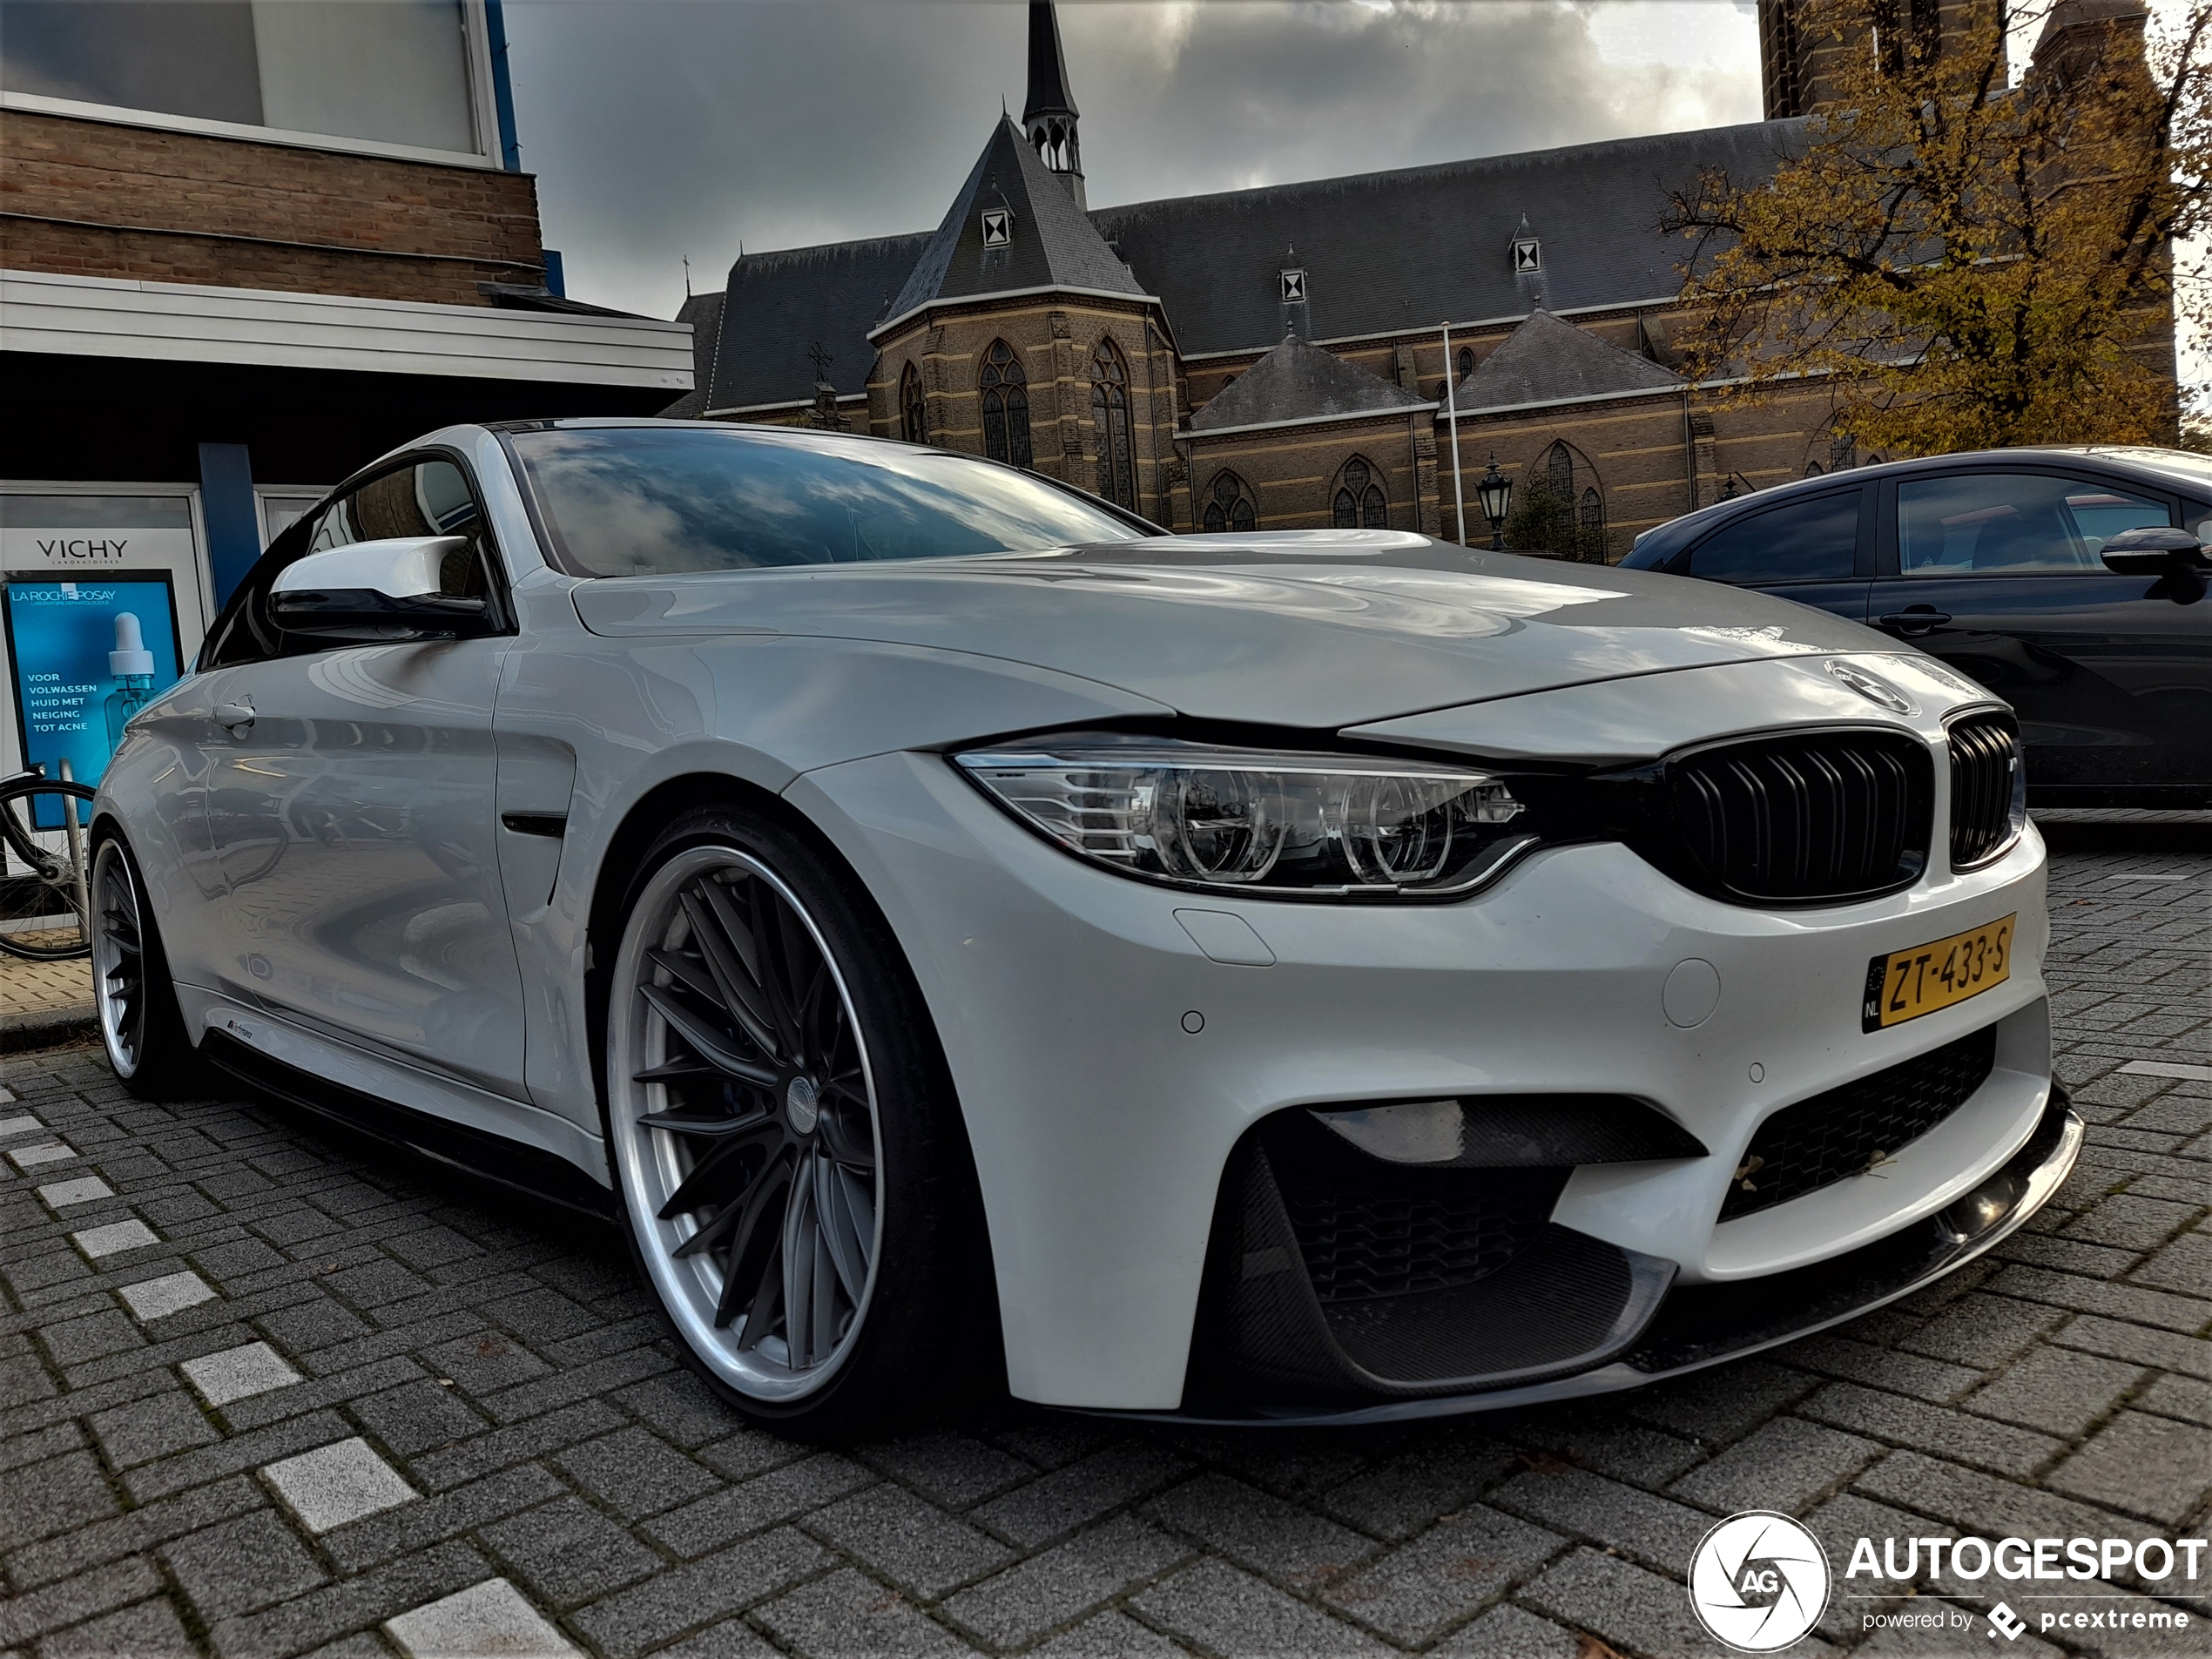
column 1759, row 1582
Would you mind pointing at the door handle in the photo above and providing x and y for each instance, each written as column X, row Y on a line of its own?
column 1915, row 619
column 234, row 717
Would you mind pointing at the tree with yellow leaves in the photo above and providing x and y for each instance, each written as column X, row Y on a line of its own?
column 1963, row 262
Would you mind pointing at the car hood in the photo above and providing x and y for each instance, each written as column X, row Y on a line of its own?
column 1308, row 629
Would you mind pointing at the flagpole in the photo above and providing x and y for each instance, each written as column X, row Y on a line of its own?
column 1452, row 406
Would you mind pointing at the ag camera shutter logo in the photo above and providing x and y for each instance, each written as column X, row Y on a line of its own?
column 1759, row 1582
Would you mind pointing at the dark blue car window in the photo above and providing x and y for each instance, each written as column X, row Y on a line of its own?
column 654, row 500
column 1803, row 540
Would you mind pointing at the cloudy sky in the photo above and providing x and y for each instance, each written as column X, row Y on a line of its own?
column 665, row 128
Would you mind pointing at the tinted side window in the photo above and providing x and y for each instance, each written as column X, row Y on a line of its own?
column 1806, row 541
column 2015, row 523
column 429, row 498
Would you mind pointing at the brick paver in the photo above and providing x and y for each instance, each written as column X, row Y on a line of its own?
column 265, row 1390
column 42, row 998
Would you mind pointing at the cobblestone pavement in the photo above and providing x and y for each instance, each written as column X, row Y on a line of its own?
column 277, row 1393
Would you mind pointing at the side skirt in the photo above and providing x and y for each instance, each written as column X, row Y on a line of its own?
column 238, row 1045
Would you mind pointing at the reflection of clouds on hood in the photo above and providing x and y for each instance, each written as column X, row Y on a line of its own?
column 1506, row 596
column 768, row 121
column 1442, row 609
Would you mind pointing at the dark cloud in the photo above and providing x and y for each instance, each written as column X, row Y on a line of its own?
column 660, row 128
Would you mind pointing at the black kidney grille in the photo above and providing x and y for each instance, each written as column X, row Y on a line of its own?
column 1366, row 1241
column 1849, row 1130
column 1830, row 816
column 1985, row 752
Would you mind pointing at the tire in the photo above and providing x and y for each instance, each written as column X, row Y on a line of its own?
column 758, row 996
column 141, row 1025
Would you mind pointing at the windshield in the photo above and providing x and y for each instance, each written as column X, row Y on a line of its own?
column 654, row 500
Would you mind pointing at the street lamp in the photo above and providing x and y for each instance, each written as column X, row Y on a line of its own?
column 1495, row 493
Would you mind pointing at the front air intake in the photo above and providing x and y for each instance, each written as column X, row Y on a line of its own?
column 1817, row 818
column 1986, row 797
column 1856, row 1129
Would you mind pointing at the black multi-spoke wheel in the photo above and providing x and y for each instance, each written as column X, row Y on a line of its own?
column 140, row 1024
column 767, row 1095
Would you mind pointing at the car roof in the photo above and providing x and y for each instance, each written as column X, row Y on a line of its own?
column 2165, row 468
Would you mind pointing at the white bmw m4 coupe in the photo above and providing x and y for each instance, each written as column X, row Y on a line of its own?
column 965, row 938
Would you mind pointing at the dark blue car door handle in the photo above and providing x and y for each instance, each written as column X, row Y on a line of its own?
column 1914, row 619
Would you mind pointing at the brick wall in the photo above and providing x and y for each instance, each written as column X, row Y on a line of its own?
column 1053, row 339
column 91, row 199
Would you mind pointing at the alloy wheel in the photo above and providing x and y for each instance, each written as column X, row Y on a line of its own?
column 744, row 1115
column 118, row 958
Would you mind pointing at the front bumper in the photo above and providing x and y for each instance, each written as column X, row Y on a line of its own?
column 1653, row 1333
column 1108, row 1068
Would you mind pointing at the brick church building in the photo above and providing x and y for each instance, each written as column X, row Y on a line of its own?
column 1278, row 358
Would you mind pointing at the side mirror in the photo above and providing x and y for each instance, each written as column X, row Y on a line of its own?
column 381, row 592
column 2154, row 550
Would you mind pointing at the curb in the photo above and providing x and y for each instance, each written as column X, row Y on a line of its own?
column 47, row 1027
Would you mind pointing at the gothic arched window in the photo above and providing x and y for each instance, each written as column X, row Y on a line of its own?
column 1559, row 467
column 1229, row 505
column 1590, row 519
column 1813, row 469
column 1110, row 424
column 1466, row 361
column 1005, row 405
column 1359, row 503
column 914, row 427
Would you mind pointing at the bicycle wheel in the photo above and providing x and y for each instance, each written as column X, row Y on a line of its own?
column 46, row 869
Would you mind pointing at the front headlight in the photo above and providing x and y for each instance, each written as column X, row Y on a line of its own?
column 1284, row 825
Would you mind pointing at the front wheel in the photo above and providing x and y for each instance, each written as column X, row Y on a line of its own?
column 790, row 1161
column 141, row 1025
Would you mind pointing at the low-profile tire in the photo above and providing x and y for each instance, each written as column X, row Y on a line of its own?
column 783, row 1134
column 134, row 998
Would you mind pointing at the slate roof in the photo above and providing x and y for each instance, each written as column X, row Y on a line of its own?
column 1297, row 381
column 1409, row 248
column 1547, row 358
column 1053, row 245
column 704, row 312
column 1383, row 252
column 779, row 304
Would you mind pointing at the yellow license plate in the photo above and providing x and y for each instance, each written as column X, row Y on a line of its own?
column 1906, row 984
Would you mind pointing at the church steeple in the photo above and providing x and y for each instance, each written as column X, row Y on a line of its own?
column 1048, row 114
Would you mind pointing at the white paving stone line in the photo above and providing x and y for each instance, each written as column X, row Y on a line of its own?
column 154, row 1299
column 6, row 1095
column 21, row 1125
column 60, row 1195
column 26, row 1157
column 333, row 1484
column 236, row 1373
column 2169, row 1069
column 487, row 1619
column 115, row 1237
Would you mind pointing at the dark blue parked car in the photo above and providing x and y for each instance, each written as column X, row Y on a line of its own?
column 1996, row 562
